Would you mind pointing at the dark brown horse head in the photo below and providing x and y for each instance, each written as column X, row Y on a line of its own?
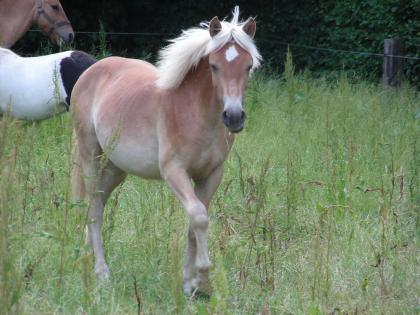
column 53, row 21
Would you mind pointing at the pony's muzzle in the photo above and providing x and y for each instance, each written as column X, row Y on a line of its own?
column 66, row 37
column 234, row 120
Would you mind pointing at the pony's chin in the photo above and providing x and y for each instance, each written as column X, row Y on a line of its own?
column 236, row 130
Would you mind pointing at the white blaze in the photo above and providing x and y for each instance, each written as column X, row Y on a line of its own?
column 231, row 53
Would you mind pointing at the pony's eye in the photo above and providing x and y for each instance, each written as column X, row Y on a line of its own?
column 54, row 7
column 214, row 68
column 248, row 68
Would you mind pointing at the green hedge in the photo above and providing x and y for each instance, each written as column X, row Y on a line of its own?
column 346, row 25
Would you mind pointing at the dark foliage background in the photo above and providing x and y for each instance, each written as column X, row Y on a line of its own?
column 348, row 25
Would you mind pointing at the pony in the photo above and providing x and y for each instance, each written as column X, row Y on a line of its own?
column 35, row 88
column 175, row 121
column 17, row 16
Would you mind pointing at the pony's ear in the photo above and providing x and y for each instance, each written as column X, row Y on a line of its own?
column 214, row 26
column 250, row 27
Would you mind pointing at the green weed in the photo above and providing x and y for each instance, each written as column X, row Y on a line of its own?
column 318, row 213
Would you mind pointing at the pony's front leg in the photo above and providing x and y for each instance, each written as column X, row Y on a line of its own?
column 180, row 183
column 204, row 190
column 190, row 271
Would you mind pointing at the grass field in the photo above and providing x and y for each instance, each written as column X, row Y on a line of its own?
column 318, row 213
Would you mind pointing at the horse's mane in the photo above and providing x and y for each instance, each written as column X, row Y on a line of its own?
column 186, row 51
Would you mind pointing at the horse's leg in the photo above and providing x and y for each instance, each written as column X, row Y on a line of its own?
column 89, row 162
column 110, row 177
column 98, row 183
column 77, row 181
column 190, row 270
column 204, row 190
column 78, row 187
column 197, row 258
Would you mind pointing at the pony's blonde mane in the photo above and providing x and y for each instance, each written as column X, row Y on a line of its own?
column 186, row 51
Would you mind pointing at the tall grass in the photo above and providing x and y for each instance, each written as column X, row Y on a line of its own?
column 318, row 213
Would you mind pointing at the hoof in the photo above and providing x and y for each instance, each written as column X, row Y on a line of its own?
column 197, row 288
column 205, row 288
column 188, row 288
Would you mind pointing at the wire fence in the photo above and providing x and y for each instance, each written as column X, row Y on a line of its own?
column 127, row 33
column 334, row 50
column 262, row 39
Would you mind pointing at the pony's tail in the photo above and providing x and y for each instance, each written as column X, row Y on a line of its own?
column 78, row 189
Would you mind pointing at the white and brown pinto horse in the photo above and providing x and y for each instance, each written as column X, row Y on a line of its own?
column 17, row 17
column 174, row 122
column 35, row 88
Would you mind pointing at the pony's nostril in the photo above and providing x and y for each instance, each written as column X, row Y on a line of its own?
column 225, row 115
column 243, row 115
column 70, row 38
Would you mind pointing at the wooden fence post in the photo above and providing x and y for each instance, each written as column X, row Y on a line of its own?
column 392, row 66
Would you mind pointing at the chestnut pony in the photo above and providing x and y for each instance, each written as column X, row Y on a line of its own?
column 175, row 122
column 17, row 16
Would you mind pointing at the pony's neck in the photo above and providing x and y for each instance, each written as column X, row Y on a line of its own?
column 16, row 17
column 201, row 93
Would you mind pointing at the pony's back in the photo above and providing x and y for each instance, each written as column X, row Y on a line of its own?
column 4, row 52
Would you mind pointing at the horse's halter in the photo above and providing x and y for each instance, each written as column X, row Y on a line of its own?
column 53, row 24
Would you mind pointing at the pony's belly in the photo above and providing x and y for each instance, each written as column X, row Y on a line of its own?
column 141, row 160
column 26, row 109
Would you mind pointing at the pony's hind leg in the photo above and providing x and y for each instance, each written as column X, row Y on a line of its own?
column 88, row 153
column 78, row 189
column 98, row 185
column 109, row 178
column 77, row 182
